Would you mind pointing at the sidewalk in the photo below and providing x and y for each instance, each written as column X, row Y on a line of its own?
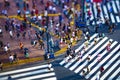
column 35, row 54
column 33, row 59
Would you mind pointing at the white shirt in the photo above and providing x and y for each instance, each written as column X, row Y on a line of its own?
column 39, row 17
column 18, row 11
column 73, row 34
column 11, row 58
column 50, row 7
column 71, row 39
column 49, row 65
column 11, row 34
column 45, row 13
column 5, row 11
column 85, row 69
column 6, row 48
column 0, row 30
column 57, row 24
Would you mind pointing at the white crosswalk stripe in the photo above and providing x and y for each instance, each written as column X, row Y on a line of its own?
column 107, row 65
column 86, row 62
column 67, row 65
column 119, row 75
column 37, row 72
column 105, row 12
column 112, row 17
column 95, row 12
column 118, row 4
column 100, row 64
column 92, row 37
column 116, row 72
column 96, row 53
column 95, row 61
column 106, row 57
column 115, row 11
column 102, row 15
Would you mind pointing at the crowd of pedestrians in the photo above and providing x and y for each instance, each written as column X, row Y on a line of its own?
column 61, row 27
column 99, row 21
column 21, row 31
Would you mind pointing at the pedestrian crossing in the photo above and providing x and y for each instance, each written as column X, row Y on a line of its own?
column 104, row 12
column 108, row 59
column 32, row 73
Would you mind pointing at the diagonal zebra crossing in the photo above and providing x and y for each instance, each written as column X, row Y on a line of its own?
column 32, row 73
column 108, row 59
column 105, row 12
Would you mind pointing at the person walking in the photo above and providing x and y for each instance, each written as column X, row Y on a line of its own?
column 11, row 34
column 21, row 45
column 96, row 29
column 1, row 66
column 79, row 56
column 88, row 58
column 95, row 40
column 6, row 49
column 11, row 58
column 26, row 53
column 24, row 35
column 19, row 12
column 101, row 69
column 15, row 57
column 108, row 46
column 35, row 43
column 1, row 32
column 99, row 57
column 85, row 70
column 49, row 66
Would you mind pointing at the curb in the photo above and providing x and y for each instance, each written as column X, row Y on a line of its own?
column 32, row 60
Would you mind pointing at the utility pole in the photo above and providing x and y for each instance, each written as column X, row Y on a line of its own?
column 47, row 35
column 49, row 51
column 83, row 15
